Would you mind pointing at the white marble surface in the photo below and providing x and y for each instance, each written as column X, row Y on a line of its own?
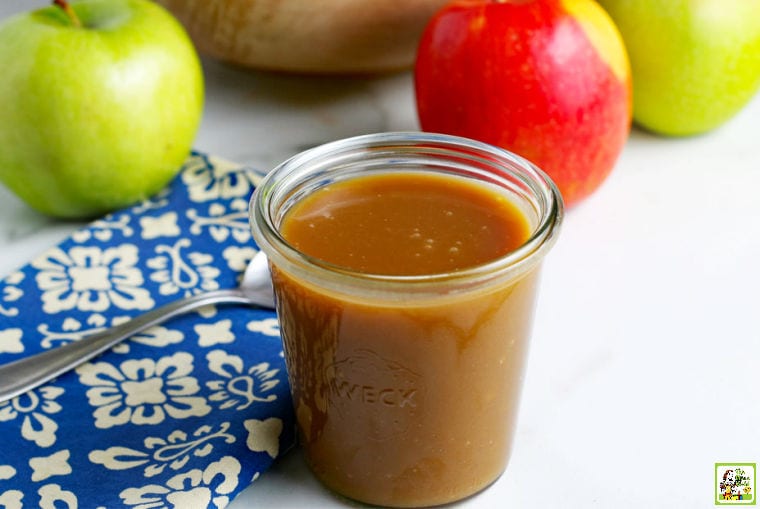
column 644, row 364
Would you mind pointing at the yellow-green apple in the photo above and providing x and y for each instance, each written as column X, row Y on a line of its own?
column 100, row 101
column 695, row 63
column 547, row 79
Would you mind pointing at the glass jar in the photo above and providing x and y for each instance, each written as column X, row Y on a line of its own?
column 406, row 387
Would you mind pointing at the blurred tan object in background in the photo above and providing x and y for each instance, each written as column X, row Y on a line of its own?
column 329, row 36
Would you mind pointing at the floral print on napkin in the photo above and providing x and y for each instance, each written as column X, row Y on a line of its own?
column 184, row 415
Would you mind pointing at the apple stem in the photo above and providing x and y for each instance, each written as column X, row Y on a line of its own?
column 63, row 4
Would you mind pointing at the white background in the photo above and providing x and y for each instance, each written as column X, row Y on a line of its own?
column 643, row 371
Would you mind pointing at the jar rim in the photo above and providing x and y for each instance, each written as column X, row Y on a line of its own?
column 328, row 156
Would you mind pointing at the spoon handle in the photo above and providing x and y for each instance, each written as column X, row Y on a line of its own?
column 19, row 376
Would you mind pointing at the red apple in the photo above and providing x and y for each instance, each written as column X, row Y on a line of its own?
column 547, row 79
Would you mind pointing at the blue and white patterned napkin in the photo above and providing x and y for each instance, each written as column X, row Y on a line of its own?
column 185, row 415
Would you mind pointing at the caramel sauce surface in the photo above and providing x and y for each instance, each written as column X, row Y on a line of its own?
column 405, row 224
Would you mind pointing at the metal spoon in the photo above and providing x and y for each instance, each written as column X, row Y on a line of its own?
column 23, row 375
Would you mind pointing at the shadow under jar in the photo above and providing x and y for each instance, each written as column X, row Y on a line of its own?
column 405, row 270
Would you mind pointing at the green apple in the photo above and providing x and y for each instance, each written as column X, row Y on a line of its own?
column 695, row 63
column 100, row 101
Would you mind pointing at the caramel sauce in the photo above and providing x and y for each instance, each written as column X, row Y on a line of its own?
column 405, row 403
column 405, row 224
